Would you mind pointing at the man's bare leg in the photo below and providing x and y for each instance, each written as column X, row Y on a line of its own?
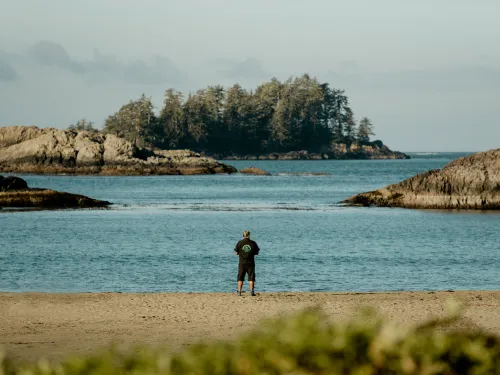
column 252, row 283
column 240, row 286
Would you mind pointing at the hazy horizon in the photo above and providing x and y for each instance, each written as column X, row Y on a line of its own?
column 427, row 74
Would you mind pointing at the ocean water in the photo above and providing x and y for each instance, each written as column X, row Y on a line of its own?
column 177, row 234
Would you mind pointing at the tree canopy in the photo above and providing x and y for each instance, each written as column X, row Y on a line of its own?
column 300, row 113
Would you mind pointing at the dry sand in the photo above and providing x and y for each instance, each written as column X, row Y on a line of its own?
column 34, row 325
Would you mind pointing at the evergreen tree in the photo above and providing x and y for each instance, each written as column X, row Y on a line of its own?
column 172, row 129
column 267, row 99
column 365, row 130
column 240, row 122
column 195, row 117
column 351, row 130
column 135, row 121
column 340, row 105
column 214, row 98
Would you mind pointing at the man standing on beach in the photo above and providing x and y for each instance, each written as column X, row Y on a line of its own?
column 247, row 250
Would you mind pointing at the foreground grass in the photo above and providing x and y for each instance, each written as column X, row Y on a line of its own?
column 306, row 343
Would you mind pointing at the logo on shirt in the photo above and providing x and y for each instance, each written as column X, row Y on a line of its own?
column 246, row 248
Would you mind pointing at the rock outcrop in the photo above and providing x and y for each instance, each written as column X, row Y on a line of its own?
column 376, row 151
column 54, row 151
column 255, row 171
column 471, row 182
column 15, row 193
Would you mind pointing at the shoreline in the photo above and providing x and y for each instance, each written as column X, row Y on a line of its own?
column 4, row 293
column 53, row 325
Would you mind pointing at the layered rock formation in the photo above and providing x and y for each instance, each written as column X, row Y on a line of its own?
column 337, row 151
column 370, row 152
column 471, row 182
column 292, row 155
column 15, row 193
column 53, row 151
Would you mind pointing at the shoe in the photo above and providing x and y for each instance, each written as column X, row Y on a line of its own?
column 238, row 293
column 253, row 294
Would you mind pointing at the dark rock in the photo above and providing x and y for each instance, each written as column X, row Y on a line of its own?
column 255, row 171
column 11, row 183
column 15, row 193
column 47, row 199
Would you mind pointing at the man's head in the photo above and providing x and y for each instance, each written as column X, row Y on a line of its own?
column 246, row 234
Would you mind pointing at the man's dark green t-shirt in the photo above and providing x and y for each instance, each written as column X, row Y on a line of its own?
column 247, row 250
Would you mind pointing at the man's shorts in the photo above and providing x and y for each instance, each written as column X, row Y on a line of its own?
column 245, row 269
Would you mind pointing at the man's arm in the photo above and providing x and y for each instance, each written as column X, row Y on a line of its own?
column 237, row 249
column 257, row 249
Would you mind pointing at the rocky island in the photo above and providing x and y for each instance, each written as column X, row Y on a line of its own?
column 29, row 149
column 471, row 182
column 15, row 193
column 298, row 119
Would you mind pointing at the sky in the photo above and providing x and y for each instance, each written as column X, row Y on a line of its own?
column 427, row 72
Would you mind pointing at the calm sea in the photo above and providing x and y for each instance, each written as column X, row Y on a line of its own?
column 177, row 234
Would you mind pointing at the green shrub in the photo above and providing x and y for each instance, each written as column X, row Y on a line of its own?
column 305, row 343
column 378, row 143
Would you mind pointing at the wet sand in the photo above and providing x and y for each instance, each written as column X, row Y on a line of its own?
column 35, row 325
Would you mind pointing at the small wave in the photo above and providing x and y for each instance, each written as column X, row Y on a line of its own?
column 202, row 207
column 302, row 174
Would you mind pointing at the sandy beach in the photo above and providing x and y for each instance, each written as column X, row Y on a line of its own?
column 34, row 325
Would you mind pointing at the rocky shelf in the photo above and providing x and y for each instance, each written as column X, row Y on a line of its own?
column 339, row 151
column 15, row 193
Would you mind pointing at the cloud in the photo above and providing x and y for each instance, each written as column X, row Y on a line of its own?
column 7, row 72
column 159, row 70
column 54, row 55
column 103, row 68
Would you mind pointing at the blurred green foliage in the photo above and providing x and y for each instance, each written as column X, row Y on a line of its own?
column 305, row 343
